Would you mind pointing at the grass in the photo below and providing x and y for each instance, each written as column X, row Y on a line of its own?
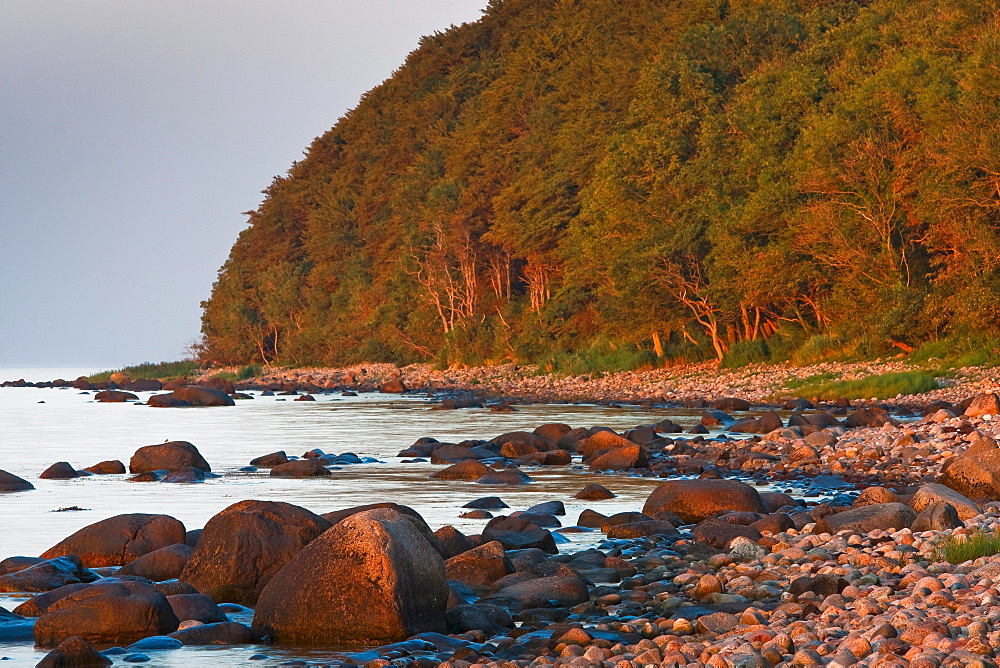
column 957, row 352
column 249, row 371
column 159, row 371
column 815, row 379
column 962, row 548
column 882, row 386
column 601, row 359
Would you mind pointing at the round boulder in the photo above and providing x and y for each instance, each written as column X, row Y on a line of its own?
column 170, row 456
column 159, row 565
column 120, row 539
column 244, row 546
column 11, row 483
column 373, row 579
column 203, row 396
column 695, row 500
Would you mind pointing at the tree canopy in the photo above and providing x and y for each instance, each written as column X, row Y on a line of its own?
column 643, row 179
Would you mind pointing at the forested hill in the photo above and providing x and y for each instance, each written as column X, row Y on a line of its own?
column 617, row 181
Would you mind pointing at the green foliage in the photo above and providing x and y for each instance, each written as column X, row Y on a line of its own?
column 967, row 547
column 249, row 371
column 574, row 183
column 159, row 371
column 882, row 386
column 956, row 352
column 814, row 380
column 601, row 358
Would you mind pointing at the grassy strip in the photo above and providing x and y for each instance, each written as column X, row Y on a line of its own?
column 159, row 371
column 962, row 548
column 882, row 387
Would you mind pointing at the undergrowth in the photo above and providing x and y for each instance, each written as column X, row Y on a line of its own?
column 961, row 548
column 159, row 371
column 881, row 386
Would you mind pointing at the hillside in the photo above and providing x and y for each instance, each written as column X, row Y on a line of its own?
column 611, row 183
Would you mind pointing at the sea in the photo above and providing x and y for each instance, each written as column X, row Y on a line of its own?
column 41, row 426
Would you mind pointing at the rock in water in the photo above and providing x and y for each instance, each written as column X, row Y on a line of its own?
column 113, row 613
column 11, row 483
column 171, row 456
column 373, row 578
column 120, row 539
column 203, row 396
column 695, row 500
column 74, row 651
column 243, row 546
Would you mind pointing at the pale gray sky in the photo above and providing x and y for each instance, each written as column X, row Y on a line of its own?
column 133, row 134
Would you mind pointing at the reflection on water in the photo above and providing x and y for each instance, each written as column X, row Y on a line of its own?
column 70, row 426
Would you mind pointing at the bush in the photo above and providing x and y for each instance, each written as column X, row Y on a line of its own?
column 249, row 371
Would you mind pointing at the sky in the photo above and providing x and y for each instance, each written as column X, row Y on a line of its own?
column 135, row 133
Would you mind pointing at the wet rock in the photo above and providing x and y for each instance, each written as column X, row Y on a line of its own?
column 641, row 529
column 115, row 613
column 504, row 477
column 594, row 492
column 730, row 404
column 868, row 518
column 36, row 605
column 479, row 567
column 73, row 651
column 11, row 483
column 166, row 401
column 196, row 606
column 774, row 501
column 621, row 459
column 188, row 474
column 718, row 534
column 469, row 469
column 541, row 593
column 591, row 519
column 48, row 575
column 60, row 471
column 159, row 565
column 515, row 533
column 203, row 396
column 114, row 396
column 874, row 495
column 695, row 500
column 490, row 619
column 301, row 468
column 552, row 431
column 931, row 493
column 377, row 557
column 120, row 539
column 487, row 503
column 450, row 453
column 869, row 417
column 109, row 467
column 217, row 633
column 170, row 456
column 245, row 545
column 270, row 460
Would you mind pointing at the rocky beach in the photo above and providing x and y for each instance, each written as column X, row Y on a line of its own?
column 853, row 564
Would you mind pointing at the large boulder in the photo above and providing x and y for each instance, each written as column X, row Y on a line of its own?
column 167, row 563
column 479, row 567
column 934, row 493
column 372, row 579
column 515, row 533
column 73, row 651
column 469, row 469
column 563, row 590
column 868, row 518
column 198, row 607
column 120, row 539
column 976, row 474
column 114, row 396
column 245, row 545
column 984, row 404
column 301, row 468
column 48, row 575
column 60, row 471
column 695, row 500
column 203, row 396
column 114, row 613
column 170, row 456
column 620, row 459
column 166, row 401
column 108, row 467
column 11, row 483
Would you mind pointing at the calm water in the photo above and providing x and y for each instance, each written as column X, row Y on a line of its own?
column 41, row 426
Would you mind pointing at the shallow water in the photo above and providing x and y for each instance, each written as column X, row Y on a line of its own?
column 41, row 426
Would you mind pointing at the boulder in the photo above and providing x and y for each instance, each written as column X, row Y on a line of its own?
column 487, row 503
column 144, row 385
column 869, row 417
column 552, row 431
column 453, row 541
column 114, row 396
column 217, row 633
column 219, row 383
column 695, row 500
column 197, row 607
column 109, row 467
column 718, row 534
column 338, row 515
column 730, row 404
column 245, row 545
column 11, row 483
column 621, row 459
column 394, row 386
column 166, row 401
column 60, row 471
column 15, row 564
column 642, row 529
column 562, row 590
column 872, row 495
column 931, row 493
column 270, row 460
column 48, row 575
column 976, row 473
column 159, row 565
column 301, row 468
column 504, row 477
column 490, row 619
column 170, row 456
column 371, row 579
column 937, row 516
column 36, row 605
column 515, row 533
column 594, row 492
column 887, row 516
column 469, row 469
column 113, row 613
column 984, row 404
column 120, row 539
column 203, row 396
column 479, row 567
column 73, row 651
